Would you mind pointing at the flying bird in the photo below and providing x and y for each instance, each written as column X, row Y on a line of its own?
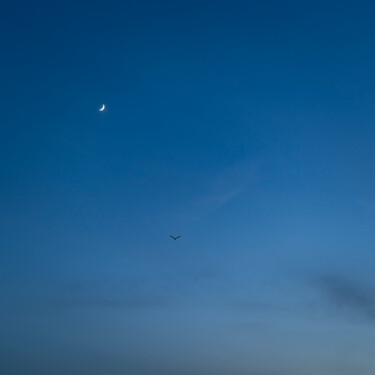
column 175, row 238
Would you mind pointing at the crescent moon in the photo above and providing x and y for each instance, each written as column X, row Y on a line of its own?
column 102, row 109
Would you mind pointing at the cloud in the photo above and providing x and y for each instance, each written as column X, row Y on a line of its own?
column 224, row 186
column 91, row 294
column 347, row 296
column 110, row 300
column 125, row 294
column 154, row 292
column 219, row 198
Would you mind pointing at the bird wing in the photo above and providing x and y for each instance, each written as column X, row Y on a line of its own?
column 178, row 237
column 172, row 237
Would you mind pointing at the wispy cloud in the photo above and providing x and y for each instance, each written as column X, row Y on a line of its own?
column 219, row 198
column 158, row 291
column 221, row 188
column 111, row 296
column 95, row 293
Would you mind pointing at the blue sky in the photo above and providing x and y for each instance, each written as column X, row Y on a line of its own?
column 247, row 127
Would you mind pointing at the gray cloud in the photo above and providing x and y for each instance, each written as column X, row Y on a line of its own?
column 347, row 296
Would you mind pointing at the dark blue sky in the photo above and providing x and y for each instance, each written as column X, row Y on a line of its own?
column 247, row 127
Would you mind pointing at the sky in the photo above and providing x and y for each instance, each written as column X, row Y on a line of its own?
column 246, row 127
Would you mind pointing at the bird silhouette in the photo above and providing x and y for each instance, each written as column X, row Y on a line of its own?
column 175, row 238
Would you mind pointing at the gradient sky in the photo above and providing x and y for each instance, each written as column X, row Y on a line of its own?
column 247, row 127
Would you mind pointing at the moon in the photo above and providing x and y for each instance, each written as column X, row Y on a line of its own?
column 102, row 109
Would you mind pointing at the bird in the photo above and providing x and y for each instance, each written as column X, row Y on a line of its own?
column 175, row 238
